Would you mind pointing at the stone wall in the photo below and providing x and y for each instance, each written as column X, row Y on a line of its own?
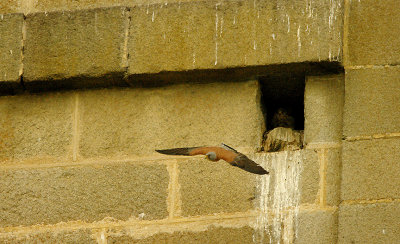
column 88, row 90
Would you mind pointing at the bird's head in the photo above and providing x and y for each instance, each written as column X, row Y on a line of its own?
column 211, row 156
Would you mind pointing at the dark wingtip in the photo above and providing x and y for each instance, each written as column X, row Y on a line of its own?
column 262, row 171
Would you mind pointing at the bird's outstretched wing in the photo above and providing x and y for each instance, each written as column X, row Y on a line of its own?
column 243, row 162
column 177, row 151
column 224, row 152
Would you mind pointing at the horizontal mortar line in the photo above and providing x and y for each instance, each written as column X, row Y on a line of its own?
column 369, row 201
column 112, row 223
column 371, row 66
column 102, row 161
column 374, row 136
column 323, row 145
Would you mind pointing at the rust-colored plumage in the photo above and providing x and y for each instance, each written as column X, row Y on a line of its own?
column 223, row 152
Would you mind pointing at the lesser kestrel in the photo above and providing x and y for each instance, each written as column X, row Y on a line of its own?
column 224, row 152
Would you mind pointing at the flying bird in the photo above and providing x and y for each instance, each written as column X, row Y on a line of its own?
column 224, row 152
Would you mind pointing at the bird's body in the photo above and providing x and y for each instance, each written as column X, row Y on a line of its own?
column 223, row 152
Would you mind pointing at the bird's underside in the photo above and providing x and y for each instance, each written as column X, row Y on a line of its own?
column 223, row 152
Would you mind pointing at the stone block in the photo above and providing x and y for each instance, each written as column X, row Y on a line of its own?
column 210, row 235
column 316, row 226
column 138, row 121
column 371, row 169
column 214, row 187
column 323, row 106
column 333, row 174
column 88, row 193
column 372, row 101
column 369, row 223
column 211, row 35
column 373, row 33
column 76, row 236
column 310, row 177
column 61, row 45
column 10, row 46
column 36, row 126
column 9, row 6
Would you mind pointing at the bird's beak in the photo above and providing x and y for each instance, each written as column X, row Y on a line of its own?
column 206, row 157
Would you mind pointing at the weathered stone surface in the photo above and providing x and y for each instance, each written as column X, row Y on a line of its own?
column 211, row 235
column 58, row 5
column 57, row 236
column 372, row 101
column 138, row 121
column 369, row 223
column 213, row 187
column 10, row 46
column 371, row 169
column 9, row 6
column 323, row 106
column 373, row 33
column 60, row 45
column 210, row 35
column 333, row 173
column 86, row 192
column 316, row 226
column 309, row 178
column 36, row 126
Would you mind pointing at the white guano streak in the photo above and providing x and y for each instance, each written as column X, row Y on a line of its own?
column 279, row 197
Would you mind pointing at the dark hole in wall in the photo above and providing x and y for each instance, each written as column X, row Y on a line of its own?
column 283, row 91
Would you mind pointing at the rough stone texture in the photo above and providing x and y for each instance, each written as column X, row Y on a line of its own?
column 36, row 126
column 88, row 193
column 213, row 187
column 369, row 223
column 210, row 35
column 373, row 33
column 57, row 5
column 83, row 43
column 372, row 101
column 323, row 106
column 333, row 172
column 371, row 169
column 309, row 179
column 10, row 46
column 316, row 226
column 211, row 235
column 72, row 237
column 9, row 6
column 137, row 121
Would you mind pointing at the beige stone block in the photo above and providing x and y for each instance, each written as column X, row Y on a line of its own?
column 372, row 101
column 215, row 35
column 369, row 223
column 371, row 169
column 333, row 173
column 60, row 45
column 323, row 106
column 10, row 46
column 138, row 121
column 9, row 6
column 210, row 235
column 373, row 33
column 57, row 236
column 68, row 5
column 310, row 177
column 214, row 187
column 36, row 126
column 316, row 226
column 83, row 192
